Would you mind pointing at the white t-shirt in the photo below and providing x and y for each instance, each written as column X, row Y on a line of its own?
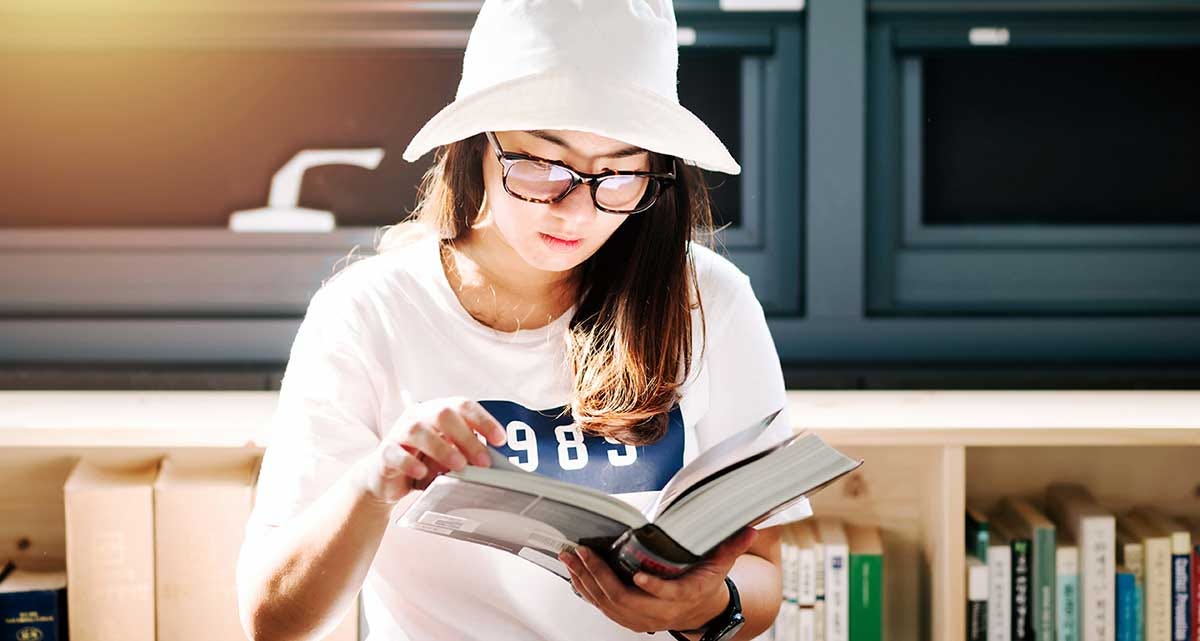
column 388, row 330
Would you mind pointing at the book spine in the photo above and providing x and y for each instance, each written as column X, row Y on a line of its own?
column 1126, row 619
column 999, row 593
column 1196, row 592
column 1158, row 589
column 806, row 576
column 1022, row 621
column 866, row 597
column 1044, row 572
column 36, row 614
column 1098, row 571
column 1181, row 586
column 977, row 620
column 978, row 586
column 806, row 625
column 1067, row 597
column 977, row 537
column 837, row 593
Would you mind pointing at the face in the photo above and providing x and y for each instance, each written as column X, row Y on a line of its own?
column 524, row 226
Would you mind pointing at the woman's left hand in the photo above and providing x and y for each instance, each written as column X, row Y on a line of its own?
column 654, row 604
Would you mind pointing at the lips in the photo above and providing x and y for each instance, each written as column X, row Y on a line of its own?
column 562, row 238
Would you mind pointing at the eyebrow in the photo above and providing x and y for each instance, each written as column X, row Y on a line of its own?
column 620, row 153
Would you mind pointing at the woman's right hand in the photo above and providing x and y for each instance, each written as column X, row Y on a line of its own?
column 427, row 440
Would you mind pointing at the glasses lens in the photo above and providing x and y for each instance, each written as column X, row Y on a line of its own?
column 625, row 193
column 538, row 180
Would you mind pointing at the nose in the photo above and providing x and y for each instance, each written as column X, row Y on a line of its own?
column 577, row 206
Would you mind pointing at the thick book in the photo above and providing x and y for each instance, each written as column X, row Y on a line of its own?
column 866, row 583
column 999, row 584
column 33, row 605
column 1027, row 522
column 1093, row 528
column 1067, row 597
column 977, row 599
column 736, row 483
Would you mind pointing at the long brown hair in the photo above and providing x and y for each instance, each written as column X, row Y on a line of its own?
column 629, row 342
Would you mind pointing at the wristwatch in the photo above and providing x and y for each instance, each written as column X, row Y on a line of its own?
column 725, row 625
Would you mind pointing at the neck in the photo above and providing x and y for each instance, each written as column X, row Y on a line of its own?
column 496, row 283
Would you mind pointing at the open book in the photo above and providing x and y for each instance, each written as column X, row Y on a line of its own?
column 738, row 482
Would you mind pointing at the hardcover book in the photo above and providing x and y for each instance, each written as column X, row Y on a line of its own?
column 33, row 605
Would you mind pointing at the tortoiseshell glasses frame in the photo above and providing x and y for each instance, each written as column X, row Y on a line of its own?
column 655, row 184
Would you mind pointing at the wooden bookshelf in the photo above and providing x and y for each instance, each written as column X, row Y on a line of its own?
column 927, row 453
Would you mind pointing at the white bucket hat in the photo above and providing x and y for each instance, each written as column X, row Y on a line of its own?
column 606, row 67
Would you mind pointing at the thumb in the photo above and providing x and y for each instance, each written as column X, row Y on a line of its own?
column 730, row 549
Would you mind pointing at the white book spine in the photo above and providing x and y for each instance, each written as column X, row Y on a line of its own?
column 819, row 620
column 806, row 625
column 790, row 569
column 837, row 592
column 999, row 593
column 806, row 565
column 1098, row 558
column 1158, row 589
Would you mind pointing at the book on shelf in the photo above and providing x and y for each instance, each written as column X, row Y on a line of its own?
column 1132, row 556
column 1093, row 528
column 1194, row 528
column 1026, row 522
column 1156, row 547
column 33, row 604
column 1181, row 569
column 804, row 545
column 866, row 582
column 738, row 482
column 977, row 599
column 1000, row 585
column 818, row 586
column 806, row 624
column 1067, row 593
column 977, row 533
column 1127, row 597
column 1021, row 604
column 831, row 537
column 110, row 509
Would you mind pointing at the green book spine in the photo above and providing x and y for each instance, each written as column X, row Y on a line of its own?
column 1045, row 571
column 866, row 597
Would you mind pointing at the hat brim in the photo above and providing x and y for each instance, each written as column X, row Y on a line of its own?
column 559, row 99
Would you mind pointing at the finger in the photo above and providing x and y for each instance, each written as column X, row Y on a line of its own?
column 429, row 441
column 577, row 581
column 596, row 568
column 587, row 585
column 395, row 462
column 453, row 424
column 484, row 423
column 672, row 590
column 728, row 552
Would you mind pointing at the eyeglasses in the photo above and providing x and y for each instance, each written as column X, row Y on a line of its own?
column 538, row 180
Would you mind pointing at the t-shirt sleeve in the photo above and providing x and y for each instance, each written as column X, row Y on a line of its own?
column 326, row 417
column 746, row 382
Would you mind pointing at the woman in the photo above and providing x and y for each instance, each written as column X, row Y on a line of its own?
column 548, row 299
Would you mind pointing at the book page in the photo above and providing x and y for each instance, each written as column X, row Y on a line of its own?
column 739, row 446
column 535, row 528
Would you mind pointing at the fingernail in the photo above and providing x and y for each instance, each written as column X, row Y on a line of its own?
column 457, row 461
column 483, row 460
column 392, row 454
